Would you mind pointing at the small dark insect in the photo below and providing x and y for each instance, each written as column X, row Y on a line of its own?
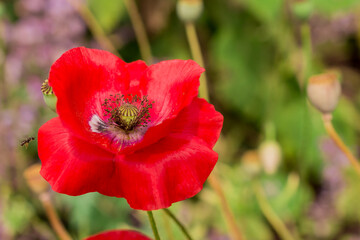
column 26, row 141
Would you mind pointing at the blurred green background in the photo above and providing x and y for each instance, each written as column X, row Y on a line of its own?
column 258, row 56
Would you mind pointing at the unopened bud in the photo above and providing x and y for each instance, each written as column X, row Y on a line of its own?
column 270, row 156
column 35, row 181
column 303, row 9
column 189, row 10
column 251, row 163
column 324, row 90
column 49, row 96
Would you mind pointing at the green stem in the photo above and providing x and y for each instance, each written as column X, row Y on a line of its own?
column 270, row 214
column 181, row 226
column 153, row 225
column 339, row 142
column 197, row 55
column 94, row 26
column 306, row 47
column 194, row 44
column 139, row 29
column 235, row 232
column 167, row 226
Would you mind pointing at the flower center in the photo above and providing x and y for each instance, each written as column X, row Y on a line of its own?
column 127, row 113
column 126, row 116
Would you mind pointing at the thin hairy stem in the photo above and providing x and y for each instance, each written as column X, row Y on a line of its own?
column 306, row 48
column 94, row 26
column 203, row 93
column 139, row 30
column 270, row 215
column 229, row 216
column 181, row 226
column 153, row 225
column 53, row 217
column 197, row 55
column 336, row 138
column 167, row 226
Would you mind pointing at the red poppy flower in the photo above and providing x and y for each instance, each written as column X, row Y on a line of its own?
column 118, row 235
column 128, row 130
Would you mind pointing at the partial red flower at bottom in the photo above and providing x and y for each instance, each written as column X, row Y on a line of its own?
column 118, row 235
column 128, row 130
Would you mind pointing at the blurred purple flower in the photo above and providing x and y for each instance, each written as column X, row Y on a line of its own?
column 33, row 86
column 28, row 32
column 44, row 29
column 32, row 6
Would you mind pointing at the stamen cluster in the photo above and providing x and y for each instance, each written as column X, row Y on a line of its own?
column 127, row 112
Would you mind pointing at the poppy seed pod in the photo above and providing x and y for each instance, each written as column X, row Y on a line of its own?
column 270, row 156
column 49, row 96
column 324, row 90
column 35, row 181
column 189, row 10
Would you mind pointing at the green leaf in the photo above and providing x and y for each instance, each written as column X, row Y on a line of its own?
column 17, row 214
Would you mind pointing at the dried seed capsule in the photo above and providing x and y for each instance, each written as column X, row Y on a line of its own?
column 189, row 10
column 324, row 90
column 35, row 181
column 270, row 156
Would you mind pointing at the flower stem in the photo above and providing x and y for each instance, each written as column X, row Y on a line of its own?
column 53, row 217
column 153, row 225
column 203, row 93
column 167, row 226
column 270, row 215
column 139, row 30
column 182, row 227
column 306, row 47
column 230, row 219
column 94, row 26
column 197, row 55
column 335, row 137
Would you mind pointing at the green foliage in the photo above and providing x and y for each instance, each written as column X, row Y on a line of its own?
column 92, row 213
column 18, row 212
column 242, row 81
column 109, row 13
column 265, row 10
column 349, row 197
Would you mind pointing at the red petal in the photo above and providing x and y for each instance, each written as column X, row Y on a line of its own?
column 118, row 235
column 70, row 165
column 169, row 171
column 172, row 85
column 199, row 119
column 178, row 158
column 81, row 79
column 136, row 71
